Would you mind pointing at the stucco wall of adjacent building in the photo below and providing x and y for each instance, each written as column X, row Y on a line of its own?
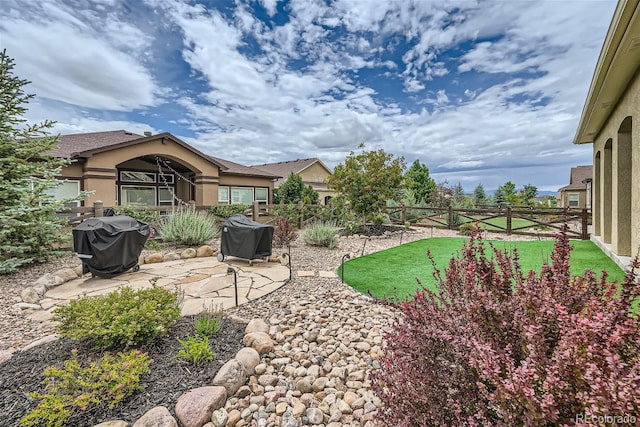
column 616, row 154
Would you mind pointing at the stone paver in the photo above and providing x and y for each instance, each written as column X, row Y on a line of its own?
column 306, row 273
column 204, row 281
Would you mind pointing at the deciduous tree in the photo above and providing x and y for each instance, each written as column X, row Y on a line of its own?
column 293, row 190
column 368, row 180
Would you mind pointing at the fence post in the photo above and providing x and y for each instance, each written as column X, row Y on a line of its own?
column 301, row 216
column 98, row 208
column 450, row 218
column 509, row 220
column 585, row 224
column 403, row 215
column 255, row 211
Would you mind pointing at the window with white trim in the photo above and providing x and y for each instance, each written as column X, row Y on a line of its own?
column 262, row 195
column 573, row 200
column 138, row 196
column 223, row 195
column 242, row 195
column 66, row 189
column 133, row 176
column 165, row 196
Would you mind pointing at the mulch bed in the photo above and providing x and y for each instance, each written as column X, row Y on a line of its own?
column 167, row 379
column 377, row 229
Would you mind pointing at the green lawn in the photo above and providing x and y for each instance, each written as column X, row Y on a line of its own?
column 397, row 268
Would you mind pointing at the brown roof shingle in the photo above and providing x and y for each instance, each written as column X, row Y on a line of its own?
column 70, row 145
column 238, row 169
column 577, row 176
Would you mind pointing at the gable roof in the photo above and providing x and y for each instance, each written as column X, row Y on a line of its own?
column 70, row 146
column 577, row 178
column 233, row 168
column 284, row 169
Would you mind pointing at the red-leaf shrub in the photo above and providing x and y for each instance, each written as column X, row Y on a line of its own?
column 283, row 232
column 496, row 347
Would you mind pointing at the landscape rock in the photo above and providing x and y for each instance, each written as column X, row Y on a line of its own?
column 234, row 417
column 49, row 281
column 156, row 417
column 188, row 253
column 315, row 416
column 259, row 341
column 195, row 407
column 113, row 423
column 29, row 295
column 231, row 376
column 66, row 274
column 219, row 417
column 171, row 256
column 249, row 359
column 154, row 258
column 257, row 325
column 204, row 251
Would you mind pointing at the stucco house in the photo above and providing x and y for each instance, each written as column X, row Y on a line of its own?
column 609, row 121
column 577, row 195
column 312, row 171
column 123, row 168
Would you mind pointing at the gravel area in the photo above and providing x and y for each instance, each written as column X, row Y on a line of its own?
column 17, row 331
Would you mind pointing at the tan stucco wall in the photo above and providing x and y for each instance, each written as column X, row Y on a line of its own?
column 628, row 106
column 314, row 173
column 564, row 198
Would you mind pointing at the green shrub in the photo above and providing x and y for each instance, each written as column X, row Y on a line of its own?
column 196, row 349
column 122, row 317
column 207, row 323
column 321, row 234
column 227, row 211
column 189, row 227
column 467, row 228
column 73, row 388
column 379, row 220
column 140, row 214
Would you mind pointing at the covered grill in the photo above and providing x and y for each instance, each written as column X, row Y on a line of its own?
column 109, row 246
column 244, row 238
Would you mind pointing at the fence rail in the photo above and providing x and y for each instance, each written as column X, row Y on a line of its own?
column 509, row 220
column 520, row 220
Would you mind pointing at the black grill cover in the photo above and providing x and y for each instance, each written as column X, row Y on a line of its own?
column 110, row 245
column 244, row 238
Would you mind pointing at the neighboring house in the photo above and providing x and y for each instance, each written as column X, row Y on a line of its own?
column 122, row 168
column 578, row 193
column 312, row 171
column 609, row 121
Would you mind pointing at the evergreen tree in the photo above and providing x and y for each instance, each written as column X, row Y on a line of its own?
column 418, row 180
column 293, row 190
column 479, row 196
column 30, row 229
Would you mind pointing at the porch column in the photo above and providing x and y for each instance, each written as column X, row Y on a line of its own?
column 102, row 182
column 206, row 190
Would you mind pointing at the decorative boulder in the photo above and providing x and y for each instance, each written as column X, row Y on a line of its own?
column 257, row 325
column 259, row 341
column 156, row 417
column 188, row 253
column 231, row 376
column 204, row 251
column 195, row 407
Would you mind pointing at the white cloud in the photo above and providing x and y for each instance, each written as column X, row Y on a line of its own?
column 500, row 84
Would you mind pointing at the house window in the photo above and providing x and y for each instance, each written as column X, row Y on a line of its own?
column 242, row 195
column 262, row 196
column 138, row 196
column 574, row 200
column 132, row 176
column 165, row 178
column 223, row 195
column 165, row 196
column 66, row 190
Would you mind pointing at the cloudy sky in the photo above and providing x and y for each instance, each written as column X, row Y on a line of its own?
column 479, row 91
